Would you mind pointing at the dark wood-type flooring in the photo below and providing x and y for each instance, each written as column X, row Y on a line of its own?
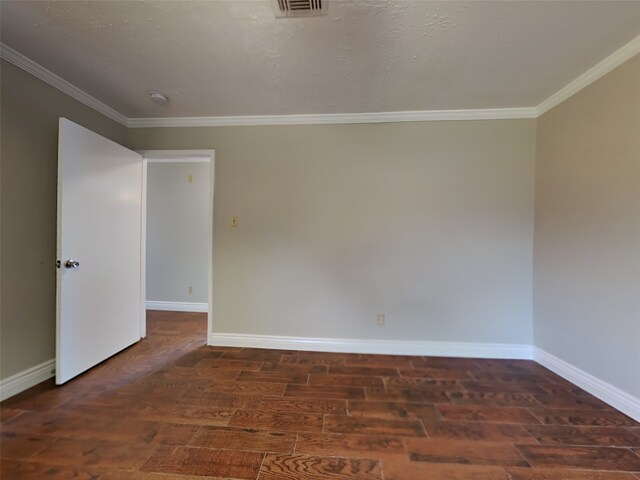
column 172, row 408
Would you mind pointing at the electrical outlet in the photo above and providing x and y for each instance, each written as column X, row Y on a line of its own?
column 234, row 221
column 381, row 319
column 190, row 289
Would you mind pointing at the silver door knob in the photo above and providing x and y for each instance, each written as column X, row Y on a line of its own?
column 71, row 263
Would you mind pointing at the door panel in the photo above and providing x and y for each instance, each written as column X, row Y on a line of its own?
column 99, row 303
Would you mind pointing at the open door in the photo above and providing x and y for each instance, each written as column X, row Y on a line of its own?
column 99, row 286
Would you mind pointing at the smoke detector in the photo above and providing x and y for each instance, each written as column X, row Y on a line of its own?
column 159, row 98
column 299, row 8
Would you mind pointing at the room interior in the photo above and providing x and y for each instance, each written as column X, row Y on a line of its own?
column 426, row 219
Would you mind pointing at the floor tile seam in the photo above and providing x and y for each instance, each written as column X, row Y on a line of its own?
column 54, row 439
column 582, row 445
column 264, row 456
column 493, row 422
column 224, row 449
column 197, row 432
column 528, row 409
column 369, row 434
column 424, row 428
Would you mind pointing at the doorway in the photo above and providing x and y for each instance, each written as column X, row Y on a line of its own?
column 178, row 231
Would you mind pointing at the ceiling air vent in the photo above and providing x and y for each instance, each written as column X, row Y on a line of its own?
column 300, row 8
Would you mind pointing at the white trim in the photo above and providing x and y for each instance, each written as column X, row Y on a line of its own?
column 177, row 306
column 28, row 378
column 38, row 71
column 618, row 399
column 337, row 118
column 174, row 155
column 212, row 173
column 614, row 60
column 393, row 347
column 206, row 159
column 143, row 250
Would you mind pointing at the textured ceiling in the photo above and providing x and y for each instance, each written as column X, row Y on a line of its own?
column 219, row 58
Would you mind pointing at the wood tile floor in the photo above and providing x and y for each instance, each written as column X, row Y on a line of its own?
column 171, row 408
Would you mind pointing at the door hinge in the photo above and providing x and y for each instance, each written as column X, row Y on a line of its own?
column 58, row 263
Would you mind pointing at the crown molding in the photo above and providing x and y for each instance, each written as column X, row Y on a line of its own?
column 38, row 71
column 335, row 118
column 614, row 60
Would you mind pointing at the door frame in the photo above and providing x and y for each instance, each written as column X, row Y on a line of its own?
column 176, row 156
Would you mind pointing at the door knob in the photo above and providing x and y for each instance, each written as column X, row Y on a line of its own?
column 71, row 263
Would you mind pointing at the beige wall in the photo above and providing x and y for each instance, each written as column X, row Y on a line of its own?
column 429, row 223
column 587, row 229
column 178, row 232
column 29, row 115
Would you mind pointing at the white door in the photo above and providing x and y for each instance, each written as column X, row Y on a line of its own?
column 99, row 294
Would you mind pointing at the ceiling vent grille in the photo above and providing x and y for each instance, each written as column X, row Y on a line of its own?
column 300, row 8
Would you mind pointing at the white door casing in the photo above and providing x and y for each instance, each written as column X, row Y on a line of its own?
column 99, row 303
column 174, row 156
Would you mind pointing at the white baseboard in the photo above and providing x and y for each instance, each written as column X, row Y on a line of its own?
column 178, row 306
column 391, row 347
column 28, row 378
column 618, row 399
